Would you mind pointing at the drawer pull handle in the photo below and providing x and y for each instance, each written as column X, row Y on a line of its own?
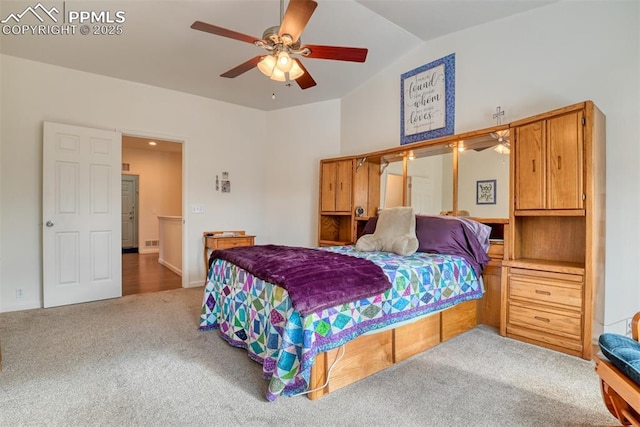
column 542, row 319
column 538, row 291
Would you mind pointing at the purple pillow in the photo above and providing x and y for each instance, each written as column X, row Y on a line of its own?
column 444, row 236
column 370, row 226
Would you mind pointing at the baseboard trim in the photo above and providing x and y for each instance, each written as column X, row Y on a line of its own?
column 20, row 307
column 170, row 267
column 148, row 251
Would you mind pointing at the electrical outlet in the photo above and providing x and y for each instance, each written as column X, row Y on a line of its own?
column 19, row 293
column 629, row 326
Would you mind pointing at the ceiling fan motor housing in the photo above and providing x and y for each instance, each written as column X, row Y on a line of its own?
column 272, row 41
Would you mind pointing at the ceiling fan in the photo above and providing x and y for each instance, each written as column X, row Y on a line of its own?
column 283, row 41
column 502, row 136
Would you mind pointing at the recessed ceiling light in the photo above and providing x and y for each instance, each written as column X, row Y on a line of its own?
column 152, row 143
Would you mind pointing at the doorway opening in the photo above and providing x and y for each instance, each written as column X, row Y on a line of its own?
column 129, row 196
column 151, row 214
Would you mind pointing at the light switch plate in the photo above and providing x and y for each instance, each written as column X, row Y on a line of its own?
column 197, row 209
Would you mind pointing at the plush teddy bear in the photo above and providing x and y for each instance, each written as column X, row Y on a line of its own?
column 395, row 232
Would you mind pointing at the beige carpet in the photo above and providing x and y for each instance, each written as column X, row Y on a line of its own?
column 140, row 360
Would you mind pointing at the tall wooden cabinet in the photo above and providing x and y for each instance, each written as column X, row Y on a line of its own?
column 349, row 195
column 555, row 264
column 549, row 163
column 336, row 186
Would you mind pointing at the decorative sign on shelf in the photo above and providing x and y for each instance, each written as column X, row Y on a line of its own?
column 427, row 101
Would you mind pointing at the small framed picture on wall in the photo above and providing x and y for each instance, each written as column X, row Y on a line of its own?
column 486, row 192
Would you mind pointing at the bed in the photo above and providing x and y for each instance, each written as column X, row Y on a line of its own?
column 430, row 297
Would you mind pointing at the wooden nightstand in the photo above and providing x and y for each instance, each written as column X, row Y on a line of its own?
column 222, row 240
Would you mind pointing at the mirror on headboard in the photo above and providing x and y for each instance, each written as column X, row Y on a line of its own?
column 391, row 181
column 474, row 169
column 483, row 178
column 430, row 180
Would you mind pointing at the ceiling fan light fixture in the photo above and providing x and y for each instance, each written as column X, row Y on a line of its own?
column 267, row 65
column 295, row 71
column 278, row 75
column 284, row 62
column 502, row 148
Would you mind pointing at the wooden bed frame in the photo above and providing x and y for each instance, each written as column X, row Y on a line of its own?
column 373, row 353
column 620, row 394
column 369, row 354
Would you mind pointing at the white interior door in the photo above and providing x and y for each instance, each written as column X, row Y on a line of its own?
column 81, row 214
column 129, row 197
column 422, row 198
column 393, row 193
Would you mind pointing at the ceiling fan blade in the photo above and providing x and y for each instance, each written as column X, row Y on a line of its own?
column 305, row 81
column 296, row 18
column 242, row 68
column 338, row 53
column 219, row 31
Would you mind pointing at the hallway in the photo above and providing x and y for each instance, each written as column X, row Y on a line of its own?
column 143, row 273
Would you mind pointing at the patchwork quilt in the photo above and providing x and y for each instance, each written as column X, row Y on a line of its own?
column 258, row 316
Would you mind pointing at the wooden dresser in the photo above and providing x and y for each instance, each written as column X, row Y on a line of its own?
column 222, row 240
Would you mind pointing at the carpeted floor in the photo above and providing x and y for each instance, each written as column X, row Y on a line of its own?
column 140, row 360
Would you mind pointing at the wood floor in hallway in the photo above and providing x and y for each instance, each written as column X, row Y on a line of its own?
column 143, row 273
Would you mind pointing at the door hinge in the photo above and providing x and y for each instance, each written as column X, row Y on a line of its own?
column 584, row 121
column 584, row 196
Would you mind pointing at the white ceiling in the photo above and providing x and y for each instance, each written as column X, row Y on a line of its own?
column 159, row 48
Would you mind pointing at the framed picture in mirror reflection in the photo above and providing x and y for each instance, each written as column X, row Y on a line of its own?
column 486, row 192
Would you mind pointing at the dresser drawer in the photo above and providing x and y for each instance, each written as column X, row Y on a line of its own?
column 556, row 342
column 546, row 287
column 559, row 322
column 232, row 242
column 545, row 291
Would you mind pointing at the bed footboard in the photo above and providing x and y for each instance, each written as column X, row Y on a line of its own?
column 369, row 354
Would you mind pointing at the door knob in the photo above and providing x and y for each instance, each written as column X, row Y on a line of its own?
column 49, row 224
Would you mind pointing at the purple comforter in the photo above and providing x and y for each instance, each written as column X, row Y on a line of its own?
column 314, row 279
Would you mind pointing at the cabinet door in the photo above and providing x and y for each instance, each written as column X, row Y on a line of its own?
column 565, row 160
column 529, row 166
column 328, row 202
column 343, row 185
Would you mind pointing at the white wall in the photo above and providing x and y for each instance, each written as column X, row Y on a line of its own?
column 530, row 63
column 304, row 136
column 217, row 136
column 274, row 177
column 1, row 198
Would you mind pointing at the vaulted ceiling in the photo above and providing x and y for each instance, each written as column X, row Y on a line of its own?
column 157, row 46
